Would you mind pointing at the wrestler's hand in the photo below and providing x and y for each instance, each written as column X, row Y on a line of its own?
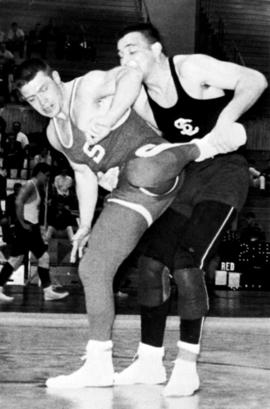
column 79, row 241
column 221, row 140
column 227, row 138
column 98, row 128
column 109, row 179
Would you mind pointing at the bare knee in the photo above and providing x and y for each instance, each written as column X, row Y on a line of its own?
column 44, row 260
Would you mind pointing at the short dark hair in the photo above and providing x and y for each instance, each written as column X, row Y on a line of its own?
column 41, row 168
column 28, row 69
column 149, row 31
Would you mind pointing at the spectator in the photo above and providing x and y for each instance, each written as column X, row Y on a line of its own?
column 43, row 157
column 37, row 41
column 63, row 183
column 250, row 230
column 20, row 136
column 3, row 126
column 78, row 46
column 10, row 203
column 28, row 235
column 60, row 218
column 3, row 185
column 13, row 155
column 9, row 216
column 5, row 54
column 16, row 39
column 7, row 62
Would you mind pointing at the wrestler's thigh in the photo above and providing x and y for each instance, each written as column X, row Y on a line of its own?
column 114, row 235
column 161, row 239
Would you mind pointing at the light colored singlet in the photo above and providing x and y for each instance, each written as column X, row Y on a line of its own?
column 31, row 209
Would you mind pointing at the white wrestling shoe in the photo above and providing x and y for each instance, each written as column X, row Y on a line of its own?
column 147, row 368
column 4, row 297
column 51, row 295
column 209, row 148
column 184, row 380
column 97, row 370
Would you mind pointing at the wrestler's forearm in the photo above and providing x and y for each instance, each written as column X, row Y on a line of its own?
column 87, row 192
column 123, row 99
column 248, row 90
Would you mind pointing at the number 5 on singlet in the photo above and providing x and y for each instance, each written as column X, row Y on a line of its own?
column 95, row 152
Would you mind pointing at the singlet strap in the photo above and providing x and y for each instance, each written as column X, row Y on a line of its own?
column 176, row 80
column 35, row 186
column 73, row 91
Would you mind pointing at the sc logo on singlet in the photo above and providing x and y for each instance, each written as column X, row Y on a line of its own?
column 95, row 152
column 185, row 126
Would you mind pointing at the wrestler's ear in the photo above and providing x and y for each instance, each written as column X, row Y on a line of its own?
column 56, row 77
column 157, row 49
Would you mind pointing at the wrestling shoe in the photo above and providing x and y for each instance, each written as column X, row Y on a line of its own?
column 4, row 297
column 51, row 295
column 184, row 379
column 147, row 368
column 97, row 370
column 209, row 147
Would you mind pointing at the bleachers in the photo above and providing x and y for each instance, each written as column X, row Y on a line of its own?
column 247, row 26
column 100, row 20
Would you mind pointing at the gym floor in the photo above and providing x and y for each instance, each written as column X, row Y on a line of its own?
column 41, row 339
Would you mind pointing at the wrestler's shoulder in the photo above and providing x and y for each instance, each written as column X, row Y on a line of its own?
column 98, row 76
column 185, row 62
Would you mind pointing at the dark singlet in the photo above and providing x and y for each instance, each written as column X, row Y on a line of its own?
column 189, row 118
column 224, row 179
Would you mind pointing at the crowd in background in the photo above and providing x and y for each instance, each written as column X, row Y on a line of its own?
column 16, row 44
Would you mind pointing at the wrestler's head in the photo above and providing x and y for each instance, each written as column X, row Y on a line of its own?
column 40, row 86
column 140, row 46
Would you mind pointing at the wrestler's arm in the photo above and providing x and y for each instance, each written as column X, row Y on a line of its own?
column 143, row 109
column 114, row 92
column 86, row 186
column 211, row 74
column 87, row 193
column 25, row 193
column 246, row 83
column 128, row 82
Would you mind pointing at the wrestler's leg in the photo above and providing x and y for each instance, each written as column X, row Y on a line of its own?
column 114, row 236
column 197, row 244
column 157, row 248
column 155, row 167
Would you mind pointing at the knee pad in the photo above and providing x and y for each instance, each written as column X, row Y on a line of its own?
column 154, row 282
column 44, row 260
column 192, row 293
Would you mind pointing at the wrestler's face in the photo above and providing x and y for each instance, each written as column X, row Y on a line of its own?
column 44, row 93
column 134, row 50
